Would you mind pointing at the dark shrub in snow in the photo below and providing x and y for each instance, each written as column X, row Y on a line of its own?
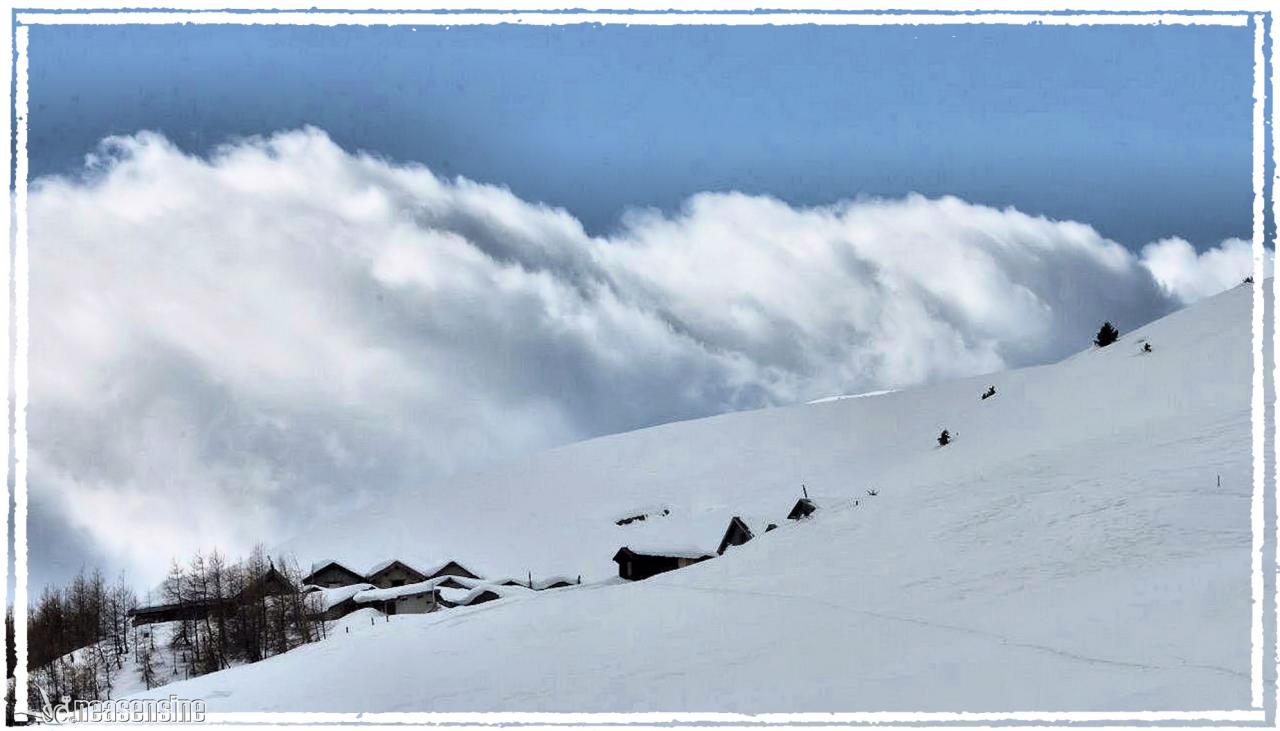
column 944, row 438
column 1107, row 335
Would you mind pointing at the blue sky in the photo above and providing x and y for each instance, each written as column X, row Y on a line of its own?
column 1142, row 132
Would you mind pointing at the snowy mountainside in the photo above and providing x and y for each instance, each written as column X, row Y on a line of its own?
column 1070, row 550
column 555, row 512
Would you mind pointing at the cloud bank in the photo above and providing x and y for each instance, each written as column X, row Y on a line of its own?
column 223, row 348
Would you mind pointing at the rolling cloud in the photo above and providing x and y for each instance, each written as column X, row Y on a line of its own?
column 223, row 348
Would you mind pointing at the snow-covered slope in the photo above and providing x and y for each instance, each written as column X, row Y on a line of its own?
column 1070, row 550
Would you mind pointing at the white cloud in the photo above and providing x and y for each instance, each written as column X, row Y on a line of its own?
column 225, row 347
column 1188, row 276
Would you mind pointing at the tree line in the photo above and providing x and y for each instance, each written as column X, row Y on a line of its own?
column 225, row 612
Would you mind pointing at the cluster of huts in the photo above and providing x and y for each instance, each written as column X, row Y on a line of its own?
column 392, row 587
column 658, row 550
column 395, row 587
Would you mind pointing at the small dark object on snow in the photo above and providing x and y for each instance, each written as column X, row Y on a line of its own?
column 873, row 493
column 944, row 438
column 1146, row 347
column 991, row 391
column 1107, row 335
column 1248, row 280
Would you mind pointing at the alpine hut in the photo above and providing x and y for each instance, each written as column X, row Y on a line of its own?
column 419, row 597
column 674, row 544
column 392, row 573
column 330, row 574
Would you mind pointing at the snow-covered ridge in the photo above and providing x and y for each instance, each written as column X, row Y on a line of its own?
column 1071, row 550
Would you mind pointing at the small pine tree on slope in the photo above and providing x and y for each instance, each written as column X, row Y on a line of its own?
column 1107, row 335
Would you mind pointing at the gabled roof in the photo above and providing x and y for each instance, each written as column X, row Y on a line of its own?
column 804, row 506
column 683, row 536
column 319, row 566
column 748, row 527
column 435, row 569
column 266, row 579
column 664, row 552
column 389, row 563
column 824, row 502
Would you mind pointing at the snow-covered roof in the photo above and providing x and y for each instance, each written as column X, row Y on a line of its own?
column 317, row 565
column 829, row 500
column 548, row 581
column 384, row 565
column 695, row 536
column 433, row 569
column 328, row 598
column 395, row 592
column 469, row 582
column 758, row 524
column 463, row 597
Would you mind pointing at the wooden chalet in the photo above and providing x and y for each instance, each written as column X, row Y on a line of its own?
column 270, row 583
column 675, row 545
column 393, row 573
column 421, row 597
column 451, row 568
column 174, row 612
column 634, row 565
column 330, row 574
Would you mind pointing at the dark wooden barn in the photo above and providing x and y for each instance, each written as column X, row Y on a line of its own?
column 635, row 566
column 270, row 583
column 182, row 610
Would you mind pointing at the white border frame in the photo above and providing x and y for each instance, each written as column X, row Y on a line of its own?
column 651, row 12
